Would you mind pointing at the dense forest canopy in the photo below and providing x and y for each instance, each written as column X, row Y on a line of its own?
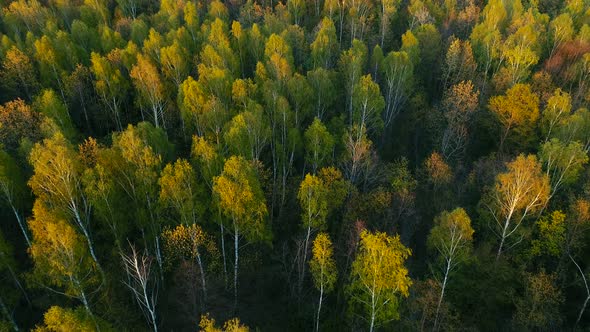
column 295, row 165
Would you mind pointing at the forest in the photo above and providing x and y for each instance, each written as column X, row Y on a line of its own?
column 294, row 165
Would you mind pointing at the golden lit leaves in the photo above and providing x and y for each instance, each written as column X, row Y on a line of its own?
column 322, row 264
column 241, row 199
column 379, row 275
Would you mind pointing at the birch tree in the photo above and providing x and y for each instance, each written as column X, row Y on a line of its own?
column 519, row 192
column 379, row 278
column 241, row 199
column 452, row 238
column 323, row 269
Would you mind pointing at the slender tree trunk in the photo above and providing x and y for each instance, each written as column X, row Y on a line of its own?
column 317, row 321
column 21, row 225
column 202, row 276
column 372, row 312
column 302, row 275
column 442, row 294
column 587, row 291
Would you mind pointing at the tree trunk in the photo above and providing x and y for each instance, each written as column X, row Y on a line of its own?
column 21, row 225
column 442, row 294
column 202, row 276
column 302, row 275
column 317, row 322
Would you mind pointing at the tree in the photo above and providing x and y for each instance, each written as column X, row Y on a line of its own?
column 322, row 85
column 18, row 73
column 556, row 112
column 187, row 242
column 563, row 163
column 136, row 168
column 110, row 85
column 323, row 269
column 150, row 89
column 368, row 104
column 175, row 65
column 397, row 71
column 313, row 200
column 452, row 238
column 325, row 45
column 57, row 182
column 17, row 122
column 58, row 319
column 47, row 56
column 13, row 189
column 138, row 267
column 352, row 63
column 207, row 324
column 459, row 104
column 517, row 193
column 379, row 277
column 248, row 133
column 60, row 257
column 517, row 110
column 388, row 9
column 539, row 307
column 48, row 104
column 459, row 63
column 241, row 199
column 319, row 145
column 180, row 190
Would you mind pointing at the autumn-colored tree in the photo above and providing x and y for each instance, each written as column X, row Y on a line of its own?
column 459, row 63
column 240, row 198
column 58, row 319
column 57, row 182
column 61, row 259
column 187, row 242
column 459, row 104
column 180, row 190
column 110, row 85
column 17, row 122
column 313, row 200
column 519, row 192
column 323, row 269
column 379, row 278
column 517, row 111
column 556, row 112
column 325, row 45
column 207, row 324
column 452, row 238
column 175, row 64
column 150, row 89
column 18, row 72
